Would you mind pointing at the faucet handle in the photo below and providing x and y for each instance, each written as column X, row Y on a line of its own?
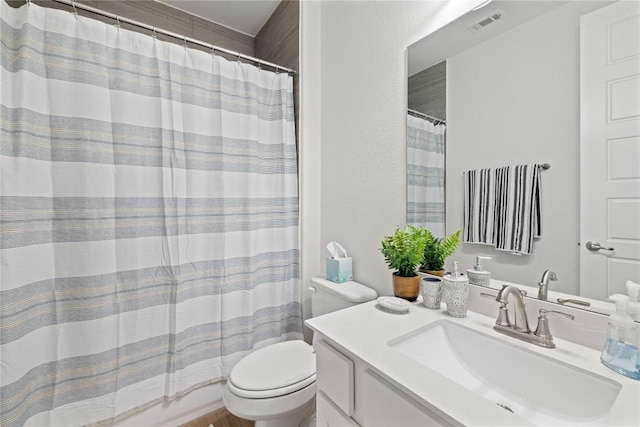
column 542, row 331
column 544, row 313
column 562, row 301
column 503, row 312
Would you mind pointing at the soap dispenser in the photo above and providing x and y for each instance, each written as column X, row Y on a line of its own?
column 478, row 276
column 620, row 351
column 633, row 289
column 456, row 292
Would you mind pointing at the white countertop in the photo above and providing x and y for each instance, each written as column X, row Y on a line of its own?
column 365, row 330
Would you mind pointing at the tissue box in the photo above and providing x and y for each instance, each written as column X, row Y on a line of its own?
column 339, row 270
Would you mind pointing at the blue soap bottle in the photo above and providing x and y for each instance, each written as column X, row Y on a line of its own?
column 620, row 351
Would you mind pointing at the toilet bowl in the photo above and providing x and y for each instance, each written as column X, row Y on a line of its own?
column 276, row 385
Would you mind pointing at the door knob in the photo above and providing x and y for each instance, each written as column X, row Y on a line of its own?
column 595, row 247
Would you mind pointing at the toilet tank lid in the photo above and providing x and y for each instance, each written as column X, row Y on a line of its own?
column 349, row 291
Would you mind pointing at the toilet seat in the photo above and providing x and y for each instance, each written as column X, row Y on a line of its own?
column 275, row 392
column 274, row 408
column 274, row 370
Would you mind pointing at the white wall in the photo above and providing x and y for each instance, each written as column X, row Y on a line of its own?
column 309, row 153
column 363, row 126
column 512, row 100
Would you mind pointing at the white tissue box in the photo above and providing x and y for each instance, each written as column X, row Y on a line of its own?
column 339, row 270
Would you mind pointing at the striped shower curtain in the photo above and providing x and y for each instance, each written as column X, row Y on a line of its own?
column 149, row 218
column 426, row 174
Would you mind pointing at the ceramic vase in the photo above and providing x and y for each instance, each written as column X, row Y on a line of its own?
column 456, row 296
column 431, row 292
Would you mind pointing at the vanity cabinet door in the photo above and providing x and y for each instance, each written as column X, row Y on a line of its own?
column 329, row 415
column 385, row 405
column 335, row 376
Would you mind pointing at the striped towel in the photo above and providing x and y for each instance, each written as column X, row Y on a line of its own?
column 517, row 208
column 479, row 199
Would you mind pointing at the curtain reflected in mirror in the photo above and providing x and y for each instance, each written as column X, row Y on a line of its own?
column 425, row 172
column 426, row 136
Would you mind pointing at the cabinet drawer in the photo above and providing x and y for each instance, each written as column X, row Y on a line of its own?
column 329, row 415
column 385, row 405
column 335, row 376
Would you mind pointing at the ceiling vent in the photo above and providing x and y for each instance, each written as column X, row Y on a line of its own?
column 485, row 22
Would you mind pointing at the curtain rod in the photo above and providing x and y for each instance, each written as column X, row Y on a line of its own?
column 423, row 115
column 185, row 39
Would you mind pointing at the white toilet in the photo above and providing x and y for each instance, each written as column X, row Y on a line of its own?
column 276, row 385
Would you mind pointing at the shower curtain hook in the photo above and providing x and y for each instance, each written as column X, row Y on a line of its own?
column 29, row 2
column 117, row 24
column 155, row 33
column 184, row 39
column 259, row 65
column 238, row 58
column 75, row 11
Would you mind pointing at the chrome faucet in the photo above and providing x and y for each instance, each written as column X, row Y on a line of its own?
column 543, row 285
column 521, row 323
column 542, row 336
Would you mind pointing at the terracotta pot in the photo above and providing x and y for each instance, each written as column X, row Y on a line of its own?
column 406, row 287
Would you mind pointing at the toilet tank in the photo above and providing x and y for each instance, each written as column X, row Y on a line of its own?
column 327, row 296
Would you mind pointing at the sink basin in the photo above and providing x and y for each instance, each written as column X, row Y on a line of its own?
column 539, row 388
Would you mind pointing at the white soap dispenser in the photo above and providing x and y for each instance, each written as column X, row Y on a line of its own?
column 478, row 276
column 620, row 352
column 633, row 289
column 456, row 292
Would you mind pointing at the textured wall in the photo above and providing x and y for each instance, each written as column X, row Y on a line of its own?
column 363, row 105
column 309, row 147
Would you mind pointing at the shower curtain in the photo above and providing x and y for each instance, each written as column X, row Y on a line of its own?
column 149, row 218
column 425, row 174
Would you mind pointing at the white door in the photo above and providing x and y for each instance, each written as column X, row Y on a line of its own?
column 610, row 149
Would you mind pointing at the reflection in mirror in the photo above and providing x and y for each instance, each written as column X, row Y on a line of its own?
column 426, row 126
column 425, row 172
column 510, row 83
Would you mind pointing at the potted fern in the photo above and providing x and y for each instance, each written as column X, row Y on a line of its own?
column 437, row 250
column 404, row 252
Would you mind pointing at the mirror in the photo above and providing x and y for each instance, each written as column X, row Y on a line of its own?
column 504, row 81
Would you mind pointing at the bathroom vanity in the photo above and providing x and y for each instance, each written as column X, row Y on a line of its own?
column 423, row 367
